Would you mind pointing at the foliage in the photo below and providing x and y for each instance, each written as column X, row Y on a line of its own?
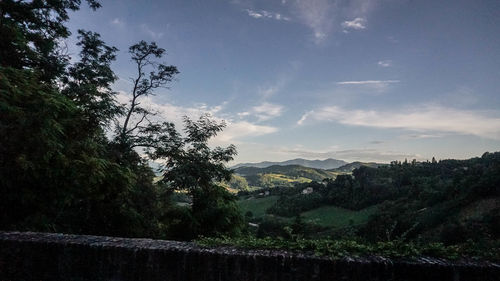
column 192, row 166
column 59, row 171
column 420, row 201
column 144, row 56
column 338, row 217
column 30, row 31
column 257, row 206
column 282, row 175
column 351, row 248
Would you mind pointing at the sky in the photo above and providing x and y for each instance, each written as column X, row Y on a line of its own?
column 358, row 80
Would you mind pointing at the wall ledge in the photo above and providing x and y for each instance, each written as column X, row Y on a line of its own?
column 53, row 256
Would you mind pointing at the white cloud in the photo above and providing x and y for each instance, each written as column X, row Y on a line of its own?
column 269, row 91
column 234, row 132
column 304, row 117
column 266, row 15
column 322, row 17
column 153, row 34
column 318, row 15
column 264, row 111
column 368, row 82
column 118, row 22
column 378, row 86
column 267, row 111
column 385, row 63
column 356, row 24
column 423, row 118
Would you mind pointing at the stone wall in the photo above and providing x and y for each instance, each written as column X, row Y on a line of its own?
column 44, row 256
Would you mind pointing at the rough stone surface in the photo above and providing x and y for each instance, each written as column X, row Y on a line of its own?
column 49, row 256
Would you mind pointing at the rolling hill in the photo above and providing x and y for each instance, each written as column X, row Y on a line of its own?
column 282, row 175
column 348, row 168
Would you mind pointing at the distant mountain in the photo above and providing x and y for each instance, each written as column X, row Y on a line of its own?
column 316, row 164
column 347, row 168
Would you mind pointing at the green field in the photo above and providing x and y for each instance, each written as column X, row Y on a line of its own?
column 257, row 206
column 331, row 216
column 284, row 178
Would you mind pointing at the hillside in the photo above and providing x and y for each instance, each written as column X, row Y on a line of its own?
column 450, row 201
column 316, row 164
column 282, row 175
column 349, row 167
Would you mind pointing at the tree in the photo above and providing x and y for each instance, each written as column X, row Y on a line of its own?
column 38, row 125
column 88, row 82
column 239, row 183
column 192, row 166
column 31, row 31
column 143, row 55
column 59, row 171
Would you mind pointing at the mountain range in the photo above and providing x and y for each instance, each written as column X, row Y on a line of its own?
column 316, row 164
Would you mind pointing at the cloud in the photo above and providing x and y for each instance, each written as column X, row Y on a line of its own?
column 234, row 132
column 266, row 15
column 318, row 15
column 385, row 63
column 322, row 17
column 368, row 82
column 264, row 111
column 422, row 118
column 356, row 24
column 423, row 136
column 118, row 22
column 351, row 155
column 267, row 111
column 374, row 85
column 153, row 34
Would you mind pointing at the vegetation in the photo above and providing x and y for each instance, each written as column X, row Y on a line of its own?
column 332, row 216
column 282, row 175
column 257, row 206
column 69, row 162
column 352, row 248
column 453, row 202
column 63, row 169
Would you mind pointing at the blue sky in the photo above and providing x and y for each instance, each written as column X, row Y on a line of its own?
column 376, row 80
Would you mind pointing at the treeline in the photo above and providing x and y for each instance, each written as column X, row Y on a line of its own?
column 449, row 201
column 69, row 158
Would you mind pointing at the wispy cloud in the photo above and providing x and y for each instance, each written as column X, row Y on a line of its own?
column 423, row 118
column 153, row 34
column 356, row 24
column 317, row 15
column 266, row 15
column 385, row 63
column 379, row 86
column 267, row 111
column 368, row 82
column 322, row 17
column 423, row 136
column 234, row 132
column 264, row 111
column 118, row 22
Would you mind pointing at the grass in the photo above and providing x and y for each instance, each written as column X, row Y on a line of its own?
column 328, row 216
column 331, row 216
column 257, row 206
column 284, row 178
